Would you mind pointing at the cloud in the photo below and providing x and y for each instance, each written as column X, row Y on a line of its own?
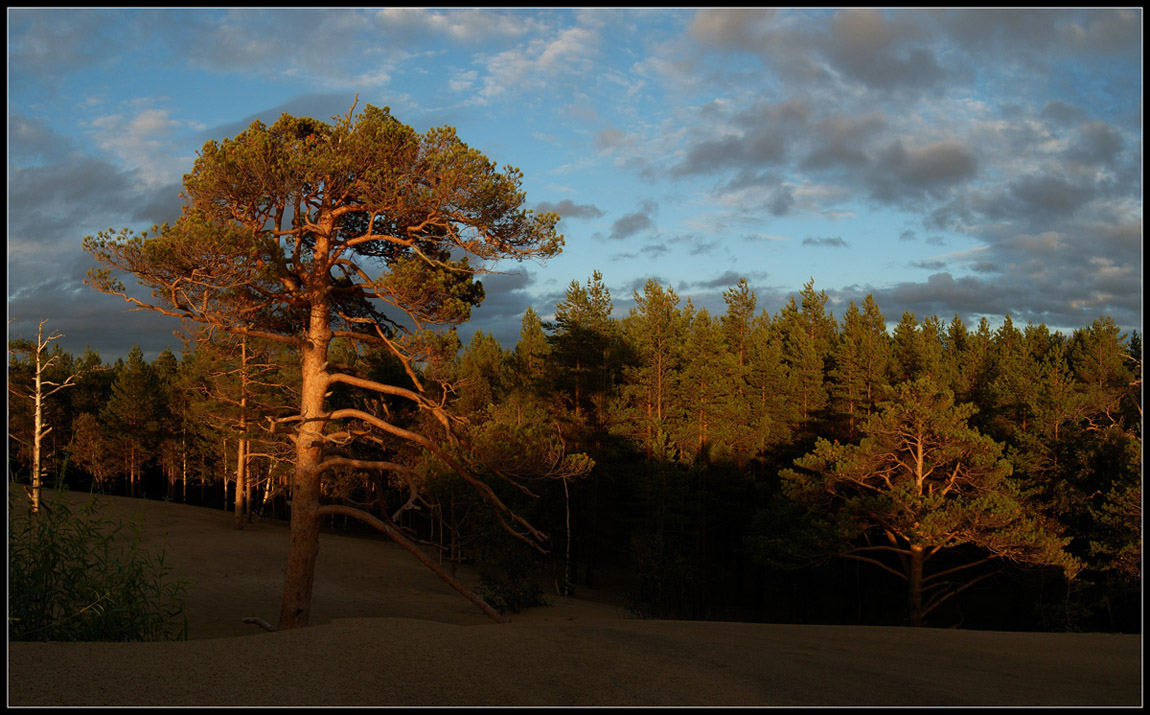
column 633, row 223
column 739, row 29
column 44, row 45
column 268, row 42
column 507, row 297
column 31, row 141
column 825, row 241
column 609, row 139
column 569, row 209
column 409, row 26
column 630, row 224
column 1098, row 144
column 143, row 143
column 538, row 64
column 899, row 172
column 883, row 53
column 760, row 136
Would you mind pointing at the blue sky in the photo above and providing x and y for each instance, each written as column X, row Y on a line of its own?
column 969, row 162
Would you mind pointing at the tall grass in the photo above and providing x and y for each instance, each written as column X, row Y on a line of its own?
column 77, row 575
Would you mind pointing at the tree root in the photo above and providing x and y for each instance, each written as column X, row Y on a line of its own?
column 261, row 623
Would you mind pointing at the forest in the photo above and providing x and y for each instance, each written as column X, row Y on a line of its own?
column 785, row 468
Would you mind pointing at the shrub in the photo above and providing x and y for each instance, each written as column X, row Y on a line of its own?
column 507, row 585
column 80, row 576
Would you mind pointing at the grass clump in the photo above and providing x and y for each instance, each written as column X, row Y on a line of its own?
column 75, row 575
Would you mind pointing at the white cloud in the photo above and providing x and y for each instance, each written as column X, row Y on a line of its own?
column 143, row 143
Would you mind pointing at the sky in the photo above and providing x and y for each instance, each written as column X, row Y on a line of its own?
column 978, row 163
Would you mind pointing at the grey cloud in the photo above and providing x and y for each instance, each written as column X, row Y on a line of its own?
column 935, row 165
column 569, row 209
column 609, row 139
column 1064, row 278
column 767, row 133
column 738, row 28
column 1048, row 195
column 842, row 140
column 1031, row 295
column 883, row 53
column 930, row 170
column 631, row 224
column 781, row 201
column 1036, row 32
column 501, row 312
column 266, row 40
column 1062, row 112
column 1001, row 29
column 30, row 140
column 319, row 105
column 1097, row 143
column 1106, row 32
column 53, row 203
column 55, row 290
column 942, row 293
column 729, row 279
column 635, row 222
column 828, row 241
column 45, row 44
column 702, row 247
column 655, row 249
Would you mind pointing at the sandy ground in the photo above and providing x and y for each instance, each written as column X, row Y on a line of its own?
column 386, row 632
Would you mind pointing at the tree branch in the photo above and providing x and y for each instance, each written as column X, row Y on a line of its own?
column 415, row 551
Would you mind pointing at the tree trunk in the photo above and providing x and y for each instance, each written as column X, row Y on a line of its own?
column 241, row 480
column 303, row 544
column 914, row 585
column 242, row 443
column 568, row 585
column 37, row 439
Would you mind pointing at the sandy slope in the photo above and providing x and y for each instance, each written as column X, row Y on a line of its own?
column 387, row 632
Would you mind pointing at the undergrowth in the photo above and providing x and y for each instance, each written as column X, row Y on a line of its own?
column 77, row 575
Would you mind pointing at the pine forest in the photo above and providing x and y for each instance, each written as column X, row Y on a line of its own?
column 799, row 467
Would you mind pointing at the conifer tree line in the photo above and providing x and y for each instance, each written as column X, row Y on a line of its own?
column 794, row 467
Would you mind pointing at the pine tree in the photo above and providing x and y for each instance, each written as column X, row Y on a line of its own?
column 482, row 376
column 861, row 363
column 925, row 487
column 712, row 415
column 655, row 331
column 532, row 355
column 809, row 332
column 132, row 418
column 306, row 233
column 1100, row 360
column 773, row 412
column 585, row 344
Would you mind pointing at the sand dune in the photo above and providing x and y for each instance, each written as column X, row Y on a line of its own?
column 386, row 632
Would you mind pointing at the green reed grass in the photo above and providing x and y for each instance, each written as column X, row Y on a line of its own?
column 78, row 575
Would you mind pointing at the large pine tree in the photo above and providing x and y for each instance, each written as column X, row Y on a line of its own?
column 915, row 495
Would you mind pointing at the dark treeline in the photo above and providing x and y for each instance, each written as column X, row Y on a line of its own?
column 742, row 466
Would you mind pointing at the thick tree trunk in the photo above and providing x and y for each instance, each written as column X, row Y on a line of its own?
column 303, row 545
column 914, row 585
